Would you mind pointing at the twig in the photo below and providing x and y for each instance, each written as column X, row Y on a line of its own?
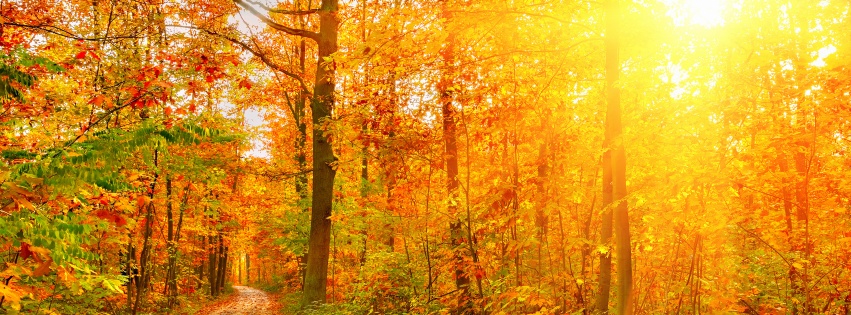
column 766, row 244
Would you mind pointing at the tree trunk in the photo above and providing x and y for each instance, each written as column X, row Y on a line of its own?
column 130, row 270
column 144, row 273
column 171, row 245
column 223, row 263
column 301, row 138
column 212, row 260
column 614, row 130
column 605, row 279
column 456, row 229
column 203, row 263
column 316, row 274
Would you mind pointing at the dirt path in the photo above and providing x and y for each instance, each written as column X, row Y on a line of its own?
column 246, row 301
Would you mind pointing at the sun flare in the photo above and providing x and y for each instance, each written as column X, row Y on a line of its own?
column 706, row 13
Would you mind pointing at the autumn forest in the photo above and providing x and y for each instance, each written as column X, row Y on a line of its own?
column 425, row 157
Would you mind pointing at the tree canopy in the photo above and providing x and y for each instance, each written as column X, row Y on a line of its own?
column 426, row 156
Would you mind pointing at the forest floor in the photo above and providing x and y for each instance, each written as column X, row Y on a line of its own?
column 246, row 301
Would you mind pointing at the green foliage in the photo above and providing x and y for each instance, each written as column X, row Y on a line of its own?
column 67, row 238
column 98, row 160
column 11, row 77
column 12, row 154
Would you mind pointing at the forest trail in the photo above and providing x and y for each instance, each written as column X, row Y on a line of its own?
column 246, row 301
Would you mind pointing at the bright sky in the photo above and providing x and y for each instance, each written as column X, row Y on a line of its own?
column 706, row 13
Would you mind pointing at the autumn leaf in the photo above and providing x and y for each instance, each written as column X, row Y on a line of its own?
column 97, row 100
column 42, row 269
column 25, row 251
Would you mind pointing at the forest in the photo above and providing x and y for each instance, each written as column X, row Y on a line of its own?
column 425, row 157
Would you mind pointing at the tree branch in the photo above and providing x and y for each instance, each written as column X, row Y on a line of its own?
column 766, row 244
column 257, row 53
column 55, row 30
column 279, row 175
column 279, row 11
column 286, row 29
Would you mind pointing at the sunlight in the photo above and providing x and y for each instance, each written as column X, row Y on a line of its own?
column 706, row 13
column 822, row 53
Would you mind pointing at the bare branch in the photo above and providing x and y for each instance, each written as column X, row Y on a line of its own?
column 279, row 175
column 55, row 30
column 279, row 11
column 286, row 29
column 766, row 244
column 257, row 53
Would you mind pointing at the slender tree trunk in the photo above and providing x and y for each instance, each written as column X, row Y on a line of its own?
column 323, row 158
column 364, row 192
column 456, row 229
column 614, row 130
column 144, row 272
column 171, row 245
column 301, row 137
column 223, row 263
column 212, row 261
column 130, row 269
column 203, row 265
column 541, row 218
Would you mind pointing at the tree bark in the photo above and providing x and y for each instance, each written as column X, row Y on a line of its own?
column 212, row 260
column 316, row 274
column 456, row 229
column 144, row 273
column 171, row 245
column 223, row 263
column 605, row 279
column 301, row 138
column 614, row 130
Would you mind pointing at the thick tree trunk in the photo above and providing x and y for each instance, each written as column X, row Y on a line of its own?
column 614, row 130
column 324, row 171
column 605, row 279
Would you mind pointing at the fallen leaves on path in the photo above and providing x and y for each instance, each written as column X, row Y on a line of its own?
column 246, row 301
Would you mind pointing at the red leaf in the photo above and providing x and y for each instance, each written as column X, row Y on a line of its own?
column 94, row 55
column 167, row 111
column 97, row 100
column 103, row 214
column 245, row 83
column 111, row 217
column 25, row 251
column 81, row 55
